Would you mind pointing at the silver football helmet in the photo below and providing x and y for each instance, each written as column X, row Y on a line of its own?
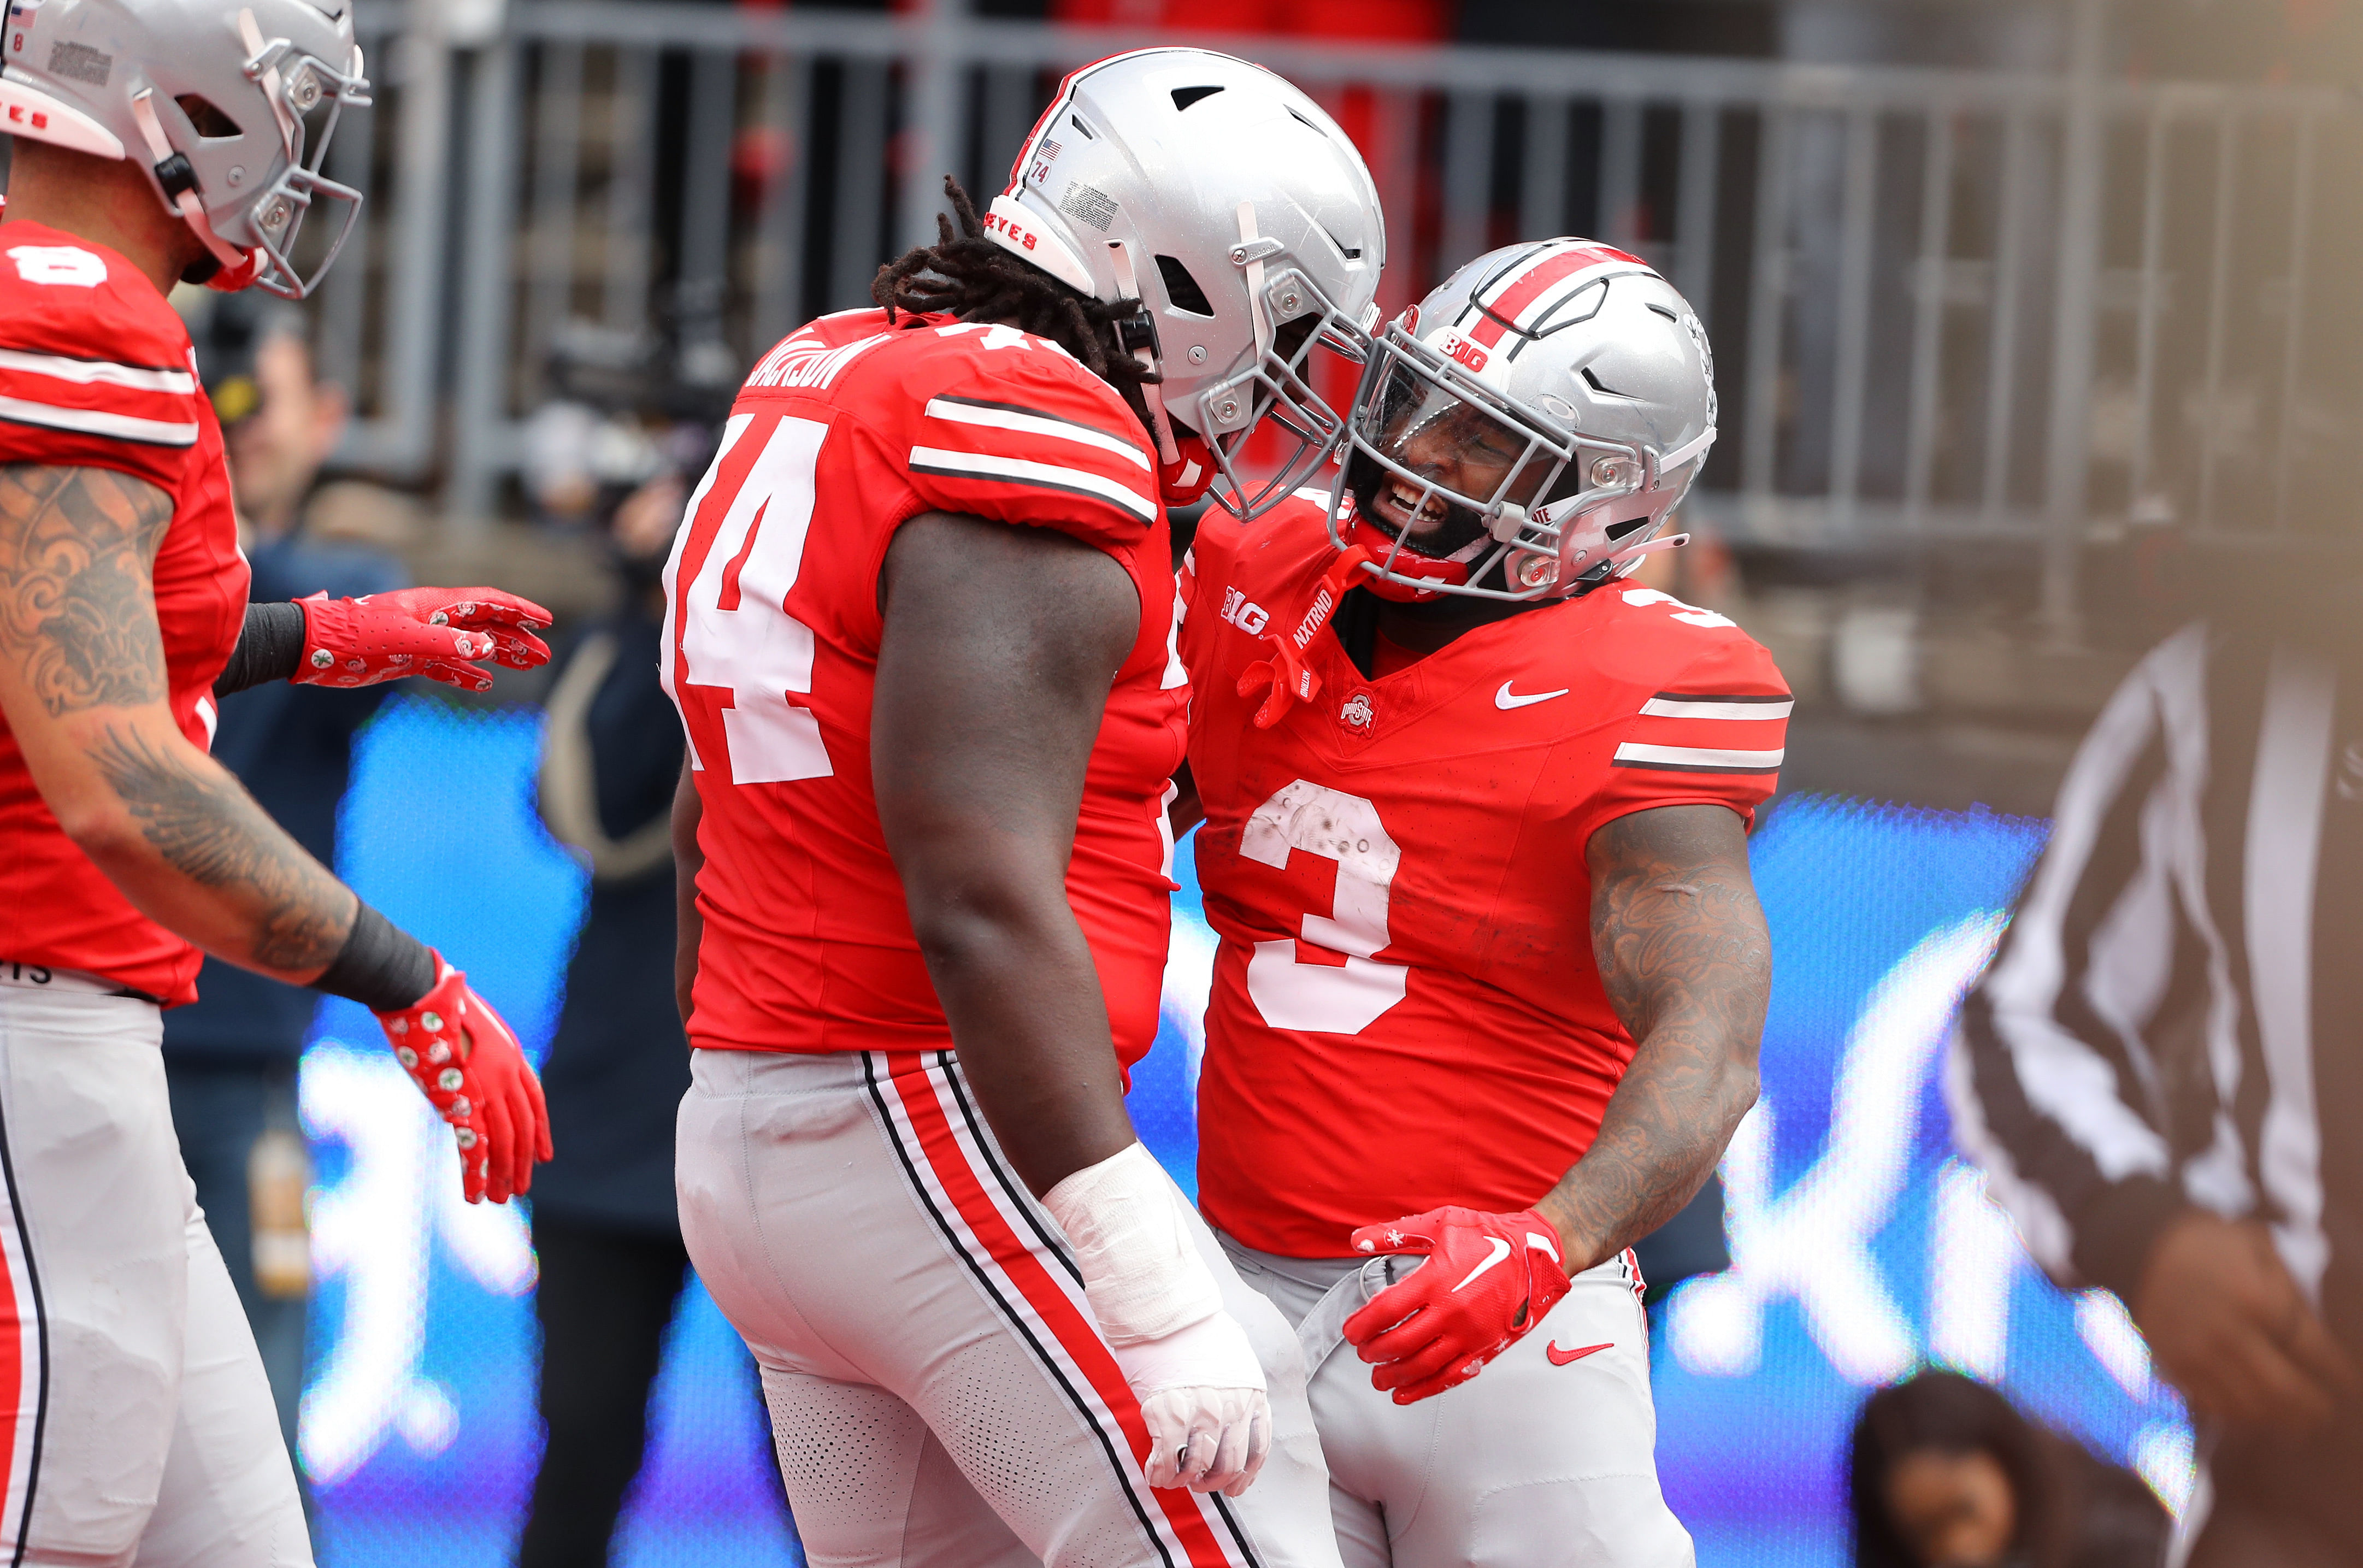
column 1525, row 430
column 1243, row 221
column 228, row 105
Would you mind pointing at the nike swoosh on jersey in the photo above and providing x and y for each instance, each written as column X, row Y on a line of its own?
column 1504, row 700
column 1561, row 1358
column 1501, row 1251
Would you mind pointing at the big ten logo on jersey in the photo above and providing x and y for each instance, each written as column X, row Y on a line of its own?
column 803, row 359
column 1244, row 613
column 735, row 629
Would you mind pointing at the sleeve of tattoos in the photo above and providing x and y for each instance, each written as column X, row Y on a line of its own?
column 82, row 688
column 1682, row 951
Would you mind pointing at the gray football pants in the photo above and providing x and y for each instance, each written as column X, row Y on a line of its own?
column 939, row 1392
column 135, row 1425
column 1547, row 1459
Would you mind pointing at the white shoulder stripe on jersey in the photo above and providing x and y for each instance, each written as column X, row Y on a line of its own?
column 1018, row 471
column 1695, row 759
column 86, row 373
column 1718, row 707
column 93, row 422
column 999, row 417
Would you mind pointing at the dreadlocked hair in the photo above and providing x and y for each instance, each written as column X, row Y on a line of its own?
column 967, row 276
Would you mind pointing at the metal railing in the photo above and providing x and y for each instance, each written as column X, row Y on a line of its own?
column 1943, row 303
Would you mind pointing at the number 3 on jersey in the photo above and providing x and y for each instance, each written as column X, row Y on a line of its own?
column 736, row 630
column 1318, row 997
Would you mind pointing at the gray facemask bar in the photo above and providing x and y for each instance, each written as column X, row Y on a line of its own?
column 1524, row 543
column 1278, row 388
column 277, row 214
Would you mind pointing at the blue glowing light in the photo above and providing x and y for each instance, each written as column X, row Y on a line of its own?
column 1862, row 1246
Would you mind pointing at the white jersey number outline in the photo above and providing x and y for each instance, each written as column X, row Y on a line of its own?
column 754, row 647
column 1317, row 997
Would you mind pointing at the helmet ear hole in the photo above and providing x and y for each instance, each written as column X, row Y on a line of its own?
column 1182, row 289
column 1618, row 530
column 206, row 118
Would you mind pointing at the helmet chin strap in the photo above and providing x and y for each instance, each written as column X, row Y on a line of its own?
column 180, row 183
column 1251, row 261
column 1127, row 286
column 1624, row 558
column 250, row 35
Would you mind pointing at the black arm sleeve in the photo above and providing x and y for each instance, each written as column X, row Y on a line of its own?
column 381, row 966
column 270, row 647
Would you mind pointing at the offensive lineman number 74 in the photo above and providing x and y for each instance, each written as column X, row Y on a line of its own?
column 736, row 632
column 735, row 628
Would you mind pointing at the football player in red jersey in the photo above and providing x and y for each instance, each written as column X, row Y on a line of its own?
column 921, row 635
column 1491, row 973
column 159, row 140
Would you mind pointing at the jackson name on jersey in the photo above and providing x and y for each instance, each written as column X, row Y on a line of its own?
column 848, row 427
column 1405, row 1011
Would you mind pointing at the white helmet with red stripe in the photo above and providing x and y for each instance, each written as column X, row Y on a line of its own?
column 228, row 104
column 1525, row 430
column 1240, row 216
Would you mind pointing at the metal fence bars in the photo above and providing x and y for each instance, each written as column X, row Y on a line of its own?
column 1943, row 302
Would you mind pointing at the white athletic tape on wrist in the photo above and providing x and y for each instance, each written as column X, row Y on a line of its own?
column 1131, row 1234
column 1212, row 1353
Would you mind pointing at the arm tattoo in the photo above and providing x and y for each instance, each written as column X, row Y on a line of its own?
column 1687, row 964
column 77, row 599
column 211, row 831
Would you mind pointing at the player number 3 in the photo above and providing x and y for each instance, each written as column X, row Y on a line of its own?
column 1325, row 999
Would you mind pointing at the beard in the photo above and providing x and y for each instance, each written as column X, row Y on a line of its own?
column 1382, row 498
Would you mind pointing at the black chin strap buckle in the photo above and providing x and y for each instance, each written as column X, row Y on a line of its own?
column 1138, row 331
column 176, row 176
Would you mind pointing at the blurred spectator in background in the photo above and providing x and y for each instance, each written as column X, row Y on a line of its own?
column 1946, row 1474
column 612, row 1266
column 230, row 1056
column 2162, row 1071
column 625, row 410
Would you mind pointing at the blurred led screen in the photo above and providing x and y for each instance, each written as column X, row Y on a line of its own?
column 1862, row 1247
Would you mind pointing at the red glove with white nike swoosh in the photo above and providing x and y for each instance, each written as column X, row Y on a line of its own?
column 466, row 1058
column 439, row 633
column 1488, row 1280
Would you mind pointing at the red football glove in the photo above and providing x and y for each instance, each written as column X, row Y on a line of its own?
column 1488, row 1280
column 436, row 632
column 479, row 1081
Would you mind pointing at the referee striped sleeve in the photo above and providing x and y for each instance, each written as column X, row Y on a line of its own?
column 2055, row 1085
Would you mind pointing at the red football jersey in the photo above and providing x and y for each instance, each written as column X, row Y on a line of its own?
column 1405, row 1012
column 96, row 372
column 844, row 431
